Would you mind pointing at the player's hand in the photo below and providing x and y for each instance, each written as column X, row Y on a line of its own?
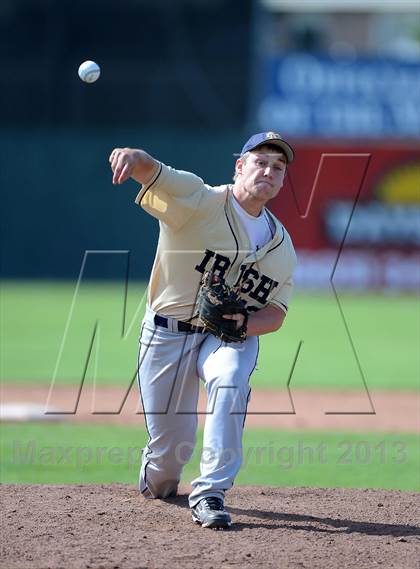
column 240, row 319
column 123, row 162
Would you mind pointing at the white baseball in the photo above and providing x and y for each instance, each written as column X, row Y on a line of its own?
column 89, row 71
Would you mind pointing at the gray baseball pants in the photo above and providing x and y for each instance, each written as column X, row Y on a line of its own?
column 170, row 366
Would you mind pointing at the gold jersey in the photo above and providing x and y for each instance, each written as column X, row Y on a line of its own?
column 200, row 229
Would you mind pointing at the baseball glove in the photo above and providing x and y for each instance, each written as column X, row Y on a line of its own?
column 216, row 298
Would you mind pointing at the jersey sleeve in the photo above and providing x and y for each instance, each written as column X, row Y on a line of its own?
column 172, row 196
column 283, row 296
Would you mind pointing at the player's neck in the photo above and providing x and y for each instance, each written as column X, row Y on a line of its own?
column 248, row 203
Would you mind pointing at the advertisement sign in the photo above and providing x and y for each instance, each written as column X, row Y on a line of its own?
column 354, row 215
column 307, row 95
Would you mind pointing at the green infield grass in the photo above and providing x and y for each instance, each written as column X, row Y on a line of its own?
column 47, row 331
column 60, row 453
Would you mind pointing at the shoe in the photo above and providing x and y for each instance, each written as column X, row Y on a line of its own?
column 210, row 513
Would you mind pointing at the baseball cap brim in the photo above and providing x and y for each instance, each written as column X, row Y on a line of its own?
column 282, row 144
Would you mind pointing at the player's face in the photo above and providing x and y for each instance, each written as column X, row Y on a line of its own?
column 262, row 174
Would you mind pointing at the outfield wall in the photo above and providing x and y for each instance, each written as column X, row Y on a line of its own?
column 58, row 199
column 354, row 213
column 352, row 210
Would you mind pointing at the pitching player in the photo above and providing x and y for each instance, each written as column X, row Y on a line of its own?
column 228, row 230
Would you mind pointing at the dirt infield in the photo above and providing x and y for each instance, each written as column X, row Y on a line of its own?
column 112, row 526
column 391, row 411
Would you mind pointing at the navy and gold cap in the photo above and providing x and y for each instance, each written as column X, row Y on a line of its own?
column 272, row 138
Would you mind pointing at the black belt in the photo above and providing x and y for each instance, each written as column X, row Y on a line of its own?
column 181, row 326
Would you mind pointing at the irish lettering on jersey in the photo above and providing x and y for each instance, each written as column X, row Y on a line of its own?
column 253, row 284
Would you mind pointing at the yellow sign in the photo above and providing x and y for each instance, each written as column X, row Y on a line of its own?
column 401, row 184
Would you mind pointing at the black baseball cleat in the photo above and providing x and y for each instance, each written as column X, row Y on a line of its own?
column 210, row 513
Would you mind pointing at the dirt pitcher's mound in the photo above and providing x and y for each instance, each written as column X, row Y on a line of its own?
column 112, row 526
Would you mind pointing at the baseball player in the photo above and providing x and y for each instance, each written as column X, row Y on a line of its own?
column 215, row 243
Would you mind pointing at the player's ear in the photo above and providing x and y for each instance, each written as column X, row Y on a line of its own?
column 238, row 166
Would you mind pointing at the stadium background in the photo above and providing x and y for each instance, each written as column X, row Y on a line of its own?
column 190, row 81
